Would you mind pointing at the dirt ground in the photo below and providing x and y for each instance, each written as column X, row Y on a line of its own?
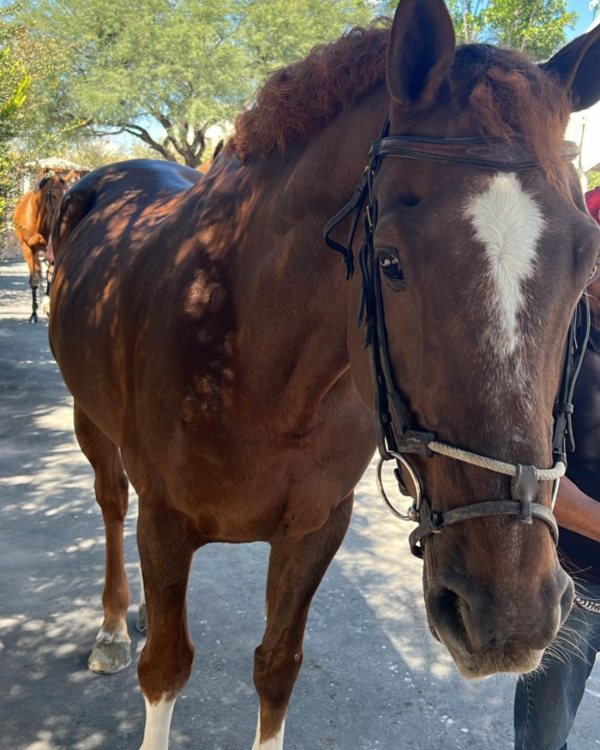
column 373, row 677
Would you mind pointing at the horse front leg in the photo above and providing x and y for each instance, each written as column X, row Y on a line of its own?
column 295, row 572
column 32, row 259
column 46, row 299
column 112, row 649
column 33, row 318
column 166, row 660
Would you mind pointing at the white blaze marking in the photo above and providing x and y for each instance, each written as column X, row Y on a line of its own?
column 158, row 723
column 508, row 222
column 275, row 743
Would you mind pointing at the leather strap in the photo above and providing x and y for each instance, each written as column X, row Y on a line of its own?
column 478, row 153
column 435, row 521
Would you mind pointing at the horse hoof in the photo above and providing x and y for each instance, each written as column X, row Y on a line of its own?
column 141, row 622
column 110, row 656
column 45, row 305
column 33, row 318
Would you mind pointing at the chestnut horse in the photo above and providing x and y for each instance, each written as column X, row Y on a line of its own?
column 210, row 341
column 33, row 221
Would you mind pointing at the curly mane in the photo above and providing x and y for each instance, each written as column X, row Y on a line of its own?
column 505, row 94
column 301, row 99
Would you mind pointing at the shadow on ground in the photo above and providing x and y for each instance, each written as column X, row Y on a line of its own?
column 373, row 678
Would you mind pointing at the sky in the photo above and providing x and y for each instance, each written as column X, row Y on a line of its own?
column 582, row 8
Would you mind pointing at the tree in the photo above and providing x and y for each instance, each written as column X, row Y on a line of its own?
column 14, row 85
column 536, row 27
column 165, row 71
column 96, row 152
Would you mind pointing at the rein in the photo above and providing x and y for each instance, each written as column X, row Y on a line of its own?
column 396, row 435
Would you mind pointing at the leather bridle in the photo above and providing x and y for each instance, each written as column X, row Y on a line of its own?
column 397, row 436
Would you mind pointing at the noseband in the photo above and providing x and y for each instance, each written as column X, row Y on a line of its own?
column 396, row 435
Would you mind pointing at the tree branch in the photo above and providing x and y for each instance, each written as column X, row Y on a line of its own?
column 534, row 9
column 145, row 136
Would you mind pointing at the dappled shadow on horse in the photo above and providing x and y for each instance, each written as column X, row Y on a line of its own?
column 33, row 220
column 210, row 341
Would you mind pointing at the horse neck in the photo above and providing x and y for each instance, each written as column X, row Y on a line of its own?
column 298, row 298
column 299, row 194
column 39, row 208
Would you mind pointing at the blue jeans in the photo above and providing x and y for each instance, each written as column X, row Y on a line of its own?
column 547, row 700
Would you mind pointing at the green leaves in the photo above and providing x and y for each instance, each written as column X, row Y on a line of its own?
column 14, row 87
column 536, row 27
column 165, row 71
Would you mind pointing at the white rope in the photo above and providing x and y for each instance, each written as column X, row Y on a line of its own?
column 543, row 475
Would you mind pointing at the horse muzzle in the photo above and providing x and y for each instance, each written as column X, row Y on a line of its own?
column 487, row 631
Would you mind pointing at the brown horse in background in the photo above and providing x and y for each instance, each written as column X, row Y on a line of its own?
column 209, row 339
column 33, row 220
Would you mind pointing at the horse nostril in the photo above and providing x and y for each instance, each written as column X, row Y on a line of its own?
column 447, row 600
column 445, row 610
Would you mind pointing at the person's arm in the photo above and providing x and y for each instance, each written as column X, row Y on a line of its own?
column 575, row 511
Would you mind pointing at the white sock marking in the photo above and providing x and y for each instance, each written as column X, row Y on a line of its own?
column 121, row 636
column 509, row 223
column 158, row 723
column 275, row 743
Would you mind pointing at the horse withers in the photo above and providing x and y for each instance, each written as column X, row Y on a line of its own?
column 210, row 341
column 32, row 221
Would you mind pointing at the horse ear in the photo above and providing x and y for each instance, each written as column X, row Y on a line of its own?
column 577, row 66
column 420, row 52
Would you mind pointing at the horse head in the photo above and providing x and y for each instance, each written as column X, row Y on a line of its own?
column 53, row 187
column 480, row 250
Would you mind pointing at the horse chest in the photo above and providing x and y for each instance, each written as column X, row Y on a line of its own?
column 235, row 486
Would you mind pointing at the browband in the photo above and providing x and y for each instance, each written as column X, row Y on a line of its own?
column 484, row 153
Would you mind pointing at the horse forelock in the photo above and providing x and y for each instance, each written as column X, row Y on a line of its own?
column 50, row 181
column 506, row 94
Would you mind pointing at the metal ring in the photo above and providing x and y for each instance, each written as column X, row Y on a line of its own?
column 416, row 484
column 555, row 487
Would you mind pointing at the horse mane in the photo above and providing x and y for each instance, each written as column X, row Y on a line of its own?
column 48, row 178
column 42, row 183
column 506, row 95
column 301, row 99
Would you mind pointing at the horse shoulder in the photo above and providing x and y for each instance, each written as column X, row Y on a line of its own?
column 22, row 216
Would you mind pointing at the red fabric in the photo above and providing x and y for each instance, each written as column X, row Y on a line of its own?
column 593, row 203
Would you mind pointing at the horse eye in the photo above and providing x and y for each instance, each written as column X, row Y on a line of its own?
column 391, row 268
column 593, row 274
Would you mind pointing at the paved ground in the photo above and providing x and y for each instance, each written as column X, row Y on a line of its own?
column 373, row 677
